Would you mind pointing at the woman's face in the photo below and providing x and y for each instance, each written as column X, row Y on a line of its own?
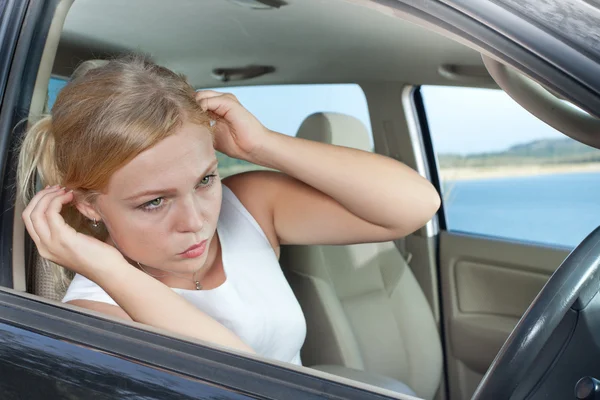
column 166, row 201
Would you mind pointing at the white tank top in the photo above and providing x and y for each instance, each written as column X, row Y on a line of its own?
column 255, row 301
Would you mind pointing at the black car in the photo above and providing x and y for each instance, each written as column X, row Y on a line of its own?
column 495, row 298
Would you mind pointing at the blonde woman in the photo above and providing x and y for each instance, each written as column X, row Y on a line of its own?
column 134, row 206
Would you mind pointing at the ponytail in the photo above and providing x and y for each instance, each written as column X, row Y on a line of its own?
column 36, row 160
column 36, row 156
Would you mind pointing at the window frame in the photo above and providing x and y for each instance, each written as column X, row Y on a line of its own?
column 435, row 177
column 236, row 373
column 430, row 155
column 14, row 52
column 218, row 367
column 526, row 46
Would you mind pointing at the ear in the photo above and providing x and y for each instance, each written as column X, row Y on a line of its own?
column 87, row 209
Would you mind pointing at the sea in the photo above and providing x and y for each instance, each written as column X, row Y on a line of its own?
column 558, row 210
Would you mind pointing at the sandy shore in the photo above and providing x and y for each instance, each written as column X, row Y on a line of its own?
column 459, row 174
column 454, row 174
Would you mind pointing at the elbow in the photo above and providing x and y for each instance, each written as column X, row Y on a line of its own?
column 428, row 205
column 436, row 203
column 423, row 206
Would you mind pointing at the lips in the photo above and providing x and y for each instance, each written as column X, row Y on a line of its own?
column 194, row 251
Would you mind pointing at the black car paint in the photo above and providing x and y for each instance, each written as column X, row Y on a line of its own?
column 204, row 367
column 11, row 23
column 35, row 366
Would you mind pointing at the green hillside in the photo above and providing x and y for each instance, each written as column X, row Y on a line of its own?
column 228, row 162
column 547, row 151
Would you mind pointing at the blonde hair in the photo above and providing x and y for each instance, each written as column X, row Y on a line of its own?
column 105, row 116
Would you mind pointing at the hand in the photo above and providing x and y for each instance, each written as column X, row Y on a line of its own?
column 238, row 133
column 59, row 242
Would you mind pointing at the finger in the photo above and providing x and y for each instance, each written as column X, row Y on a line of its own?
column 33, row 202
column 30, row 229
column 26, row 215
column 220, row 105
column 56, row 222
column 210, row 94
column 39, row 216
column 203, row 94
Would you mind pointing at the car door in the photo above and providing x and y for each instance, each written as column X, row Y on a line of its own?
column 50, row 351
column 513, row 208
column 518, row 195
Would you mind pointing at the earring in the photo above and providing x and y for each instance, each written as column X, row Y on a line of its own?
column 94, row 223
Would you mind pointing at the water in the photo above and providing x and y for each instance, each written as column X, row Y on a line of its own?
column 559, row 209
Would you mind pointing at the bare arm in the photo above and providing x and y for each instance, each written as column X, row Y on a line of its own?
column 104, row 308
column 333, row 195
column 327, row 194
column 141, row 297
column 150, row 302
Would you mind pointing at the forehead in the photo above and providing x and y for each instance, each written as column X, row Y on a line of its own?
column 177, row 158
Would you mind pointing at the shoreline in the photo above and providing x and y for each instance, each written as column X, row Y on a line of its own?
column 474, row 173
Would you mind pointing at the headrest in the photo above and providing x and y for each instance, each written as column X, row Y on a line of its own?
column 336, row 128
column 86, row 66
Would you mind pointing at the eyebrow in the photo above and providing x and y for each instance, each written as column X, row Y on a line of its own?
column 170, row 191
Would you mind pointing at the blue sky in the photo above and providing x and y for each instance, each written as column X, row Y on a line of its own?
column 469, row 120
column 461, row 120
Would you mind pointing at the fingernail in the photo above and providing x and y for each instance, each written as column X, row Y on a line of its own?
column 47, row 186
column 56, row 186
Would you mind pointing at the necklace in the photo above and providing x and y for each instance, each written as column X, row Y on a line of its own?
column 194, row 279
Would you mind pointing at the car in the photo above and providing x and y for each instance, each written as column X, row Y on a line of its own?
column 495, row 102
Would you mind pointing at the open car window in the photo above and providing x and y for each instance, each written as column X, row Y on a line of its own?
column 507, row 174
column 76, row 347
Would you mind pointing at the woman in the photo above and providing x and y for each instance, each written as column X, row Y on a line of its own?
column 135, row 208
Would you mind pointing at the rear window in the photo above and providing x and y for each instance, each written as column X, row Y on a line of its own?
column 281, row 108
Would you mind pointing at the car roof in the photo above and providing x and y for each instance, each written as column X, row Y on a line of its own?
column 307, row 41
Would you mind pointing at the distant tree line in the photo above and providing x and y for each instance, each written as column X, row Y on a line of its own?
column 539, row 152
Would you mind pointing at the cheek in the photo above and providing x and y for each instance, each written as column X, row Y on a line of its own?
column 134, row 235
column 214, row 201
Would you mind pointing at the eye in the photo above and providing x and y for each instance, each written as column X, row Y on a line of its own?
column 153, row 204
column 207, row 180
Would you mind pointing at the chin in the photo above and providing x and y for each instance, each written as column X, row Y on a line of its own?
column 191, row 265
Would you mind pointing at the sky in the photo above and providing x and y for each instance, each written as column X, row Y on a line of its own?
column 470, row 120
column 461, row 120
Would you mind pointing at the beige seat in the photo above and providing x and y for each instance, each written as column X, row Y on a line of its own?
column 363, row 305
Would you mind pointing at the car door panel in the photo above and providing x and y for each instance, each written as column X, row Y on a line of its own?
column 34, row 366
column 487, row 284
column 58, row 342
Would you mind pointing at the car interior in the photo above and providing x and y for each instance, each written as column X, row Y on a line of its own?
column 414, row 316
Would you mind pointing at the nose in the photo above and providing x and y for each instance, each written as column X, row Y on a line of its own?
column 190, row 217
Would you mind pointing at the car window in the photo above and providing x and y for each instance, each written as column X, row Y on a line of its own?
column 281, row 108
column 54, row 86
column 505, row 173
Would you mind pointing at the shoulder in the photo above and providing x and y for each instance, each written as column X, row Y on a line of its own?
column 258, row 191
column 248, row 185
